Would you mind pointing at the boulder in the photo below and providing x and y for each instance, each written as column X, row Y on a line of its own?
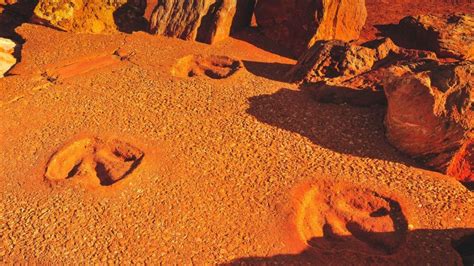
column 298, row 24
column 339, row 72
column 360, row 90
column 430, row 115
column 207, row 21
column 92, row 16
column 7, row 60
column 448, row 36
column 331, row 59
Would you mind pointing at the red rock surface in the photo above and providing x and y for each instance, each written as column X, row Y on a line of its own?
column 430, row 114
column 449, row 35
column 340, row 72
column 385, row 12
column 206, row 21
column 462, row 164
column 298, row 24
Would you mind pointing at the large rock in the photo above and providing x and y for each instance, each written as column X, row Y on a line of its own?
column 93, row 16
column 7, row 60
column 339, row 72
column 449, row 36
column 430, row 115
column 206, row 21
column 298, row 24
column 331, row 59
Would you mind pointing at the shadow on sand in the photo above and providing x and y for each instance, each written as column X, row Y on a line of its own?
column 130, row 16
column 253, row 36
column 273, row 71
column 356, row 131
column 422, row 247
column 340, row 128
column 12, row 17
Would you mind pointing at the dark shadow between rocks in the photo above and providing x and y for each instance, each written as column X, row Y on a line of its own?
column 400, row 38
column 243, row 14
column 130, row 16
column 465, row 247
column 12, row 17
column 342, row 128
column 273, row 71
column 413, row 252
column 253, row 36
column 469, row 185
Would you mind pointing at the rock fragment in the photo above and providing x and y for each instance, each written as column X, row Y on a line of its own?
column 331, row 59
column 430, row 115
column 339, row 72
column 448, row 36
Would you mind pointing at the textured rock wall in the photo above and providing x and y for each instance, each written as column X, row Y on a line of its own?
column 202, row 20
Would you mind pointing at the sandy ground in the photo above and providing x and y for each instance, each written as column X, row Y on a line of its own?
column 233, row 169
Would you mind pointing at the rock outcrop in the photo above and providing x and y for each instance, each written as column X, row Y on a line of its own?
column 207, row 21
column 339, row 72
column 430, row 115
column 331, row 59
column 448, row 36
column 7, row 60
column 298, row 24
column 93, row 16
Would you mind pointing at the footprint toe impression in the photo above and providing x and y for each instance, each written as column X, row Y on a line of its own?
column 94, row 161
column 358, row 219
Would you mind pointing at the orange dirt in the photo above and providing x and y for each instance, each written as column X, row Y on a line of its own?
column 242, row 169
column 80, row 66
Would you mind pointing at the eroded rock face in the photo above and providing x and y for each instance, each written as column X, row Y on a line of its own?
column 298, row 24
column 331, row 59
column 93, row 16
column 206, row 21
column 448, row 36
column 7, row 60
column 430, row 115
column 339, row 72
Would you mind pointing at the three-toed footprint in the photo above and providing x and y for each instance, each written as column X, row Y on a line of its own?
column 215, row 67
column 94, row 161
column 345, row 217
